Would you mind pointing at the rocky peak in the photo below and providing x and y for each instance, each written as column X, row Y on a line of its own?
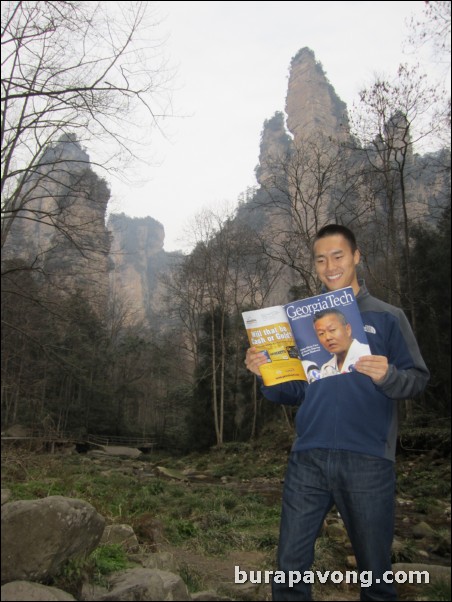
column 275, row 142
column 136, row 236
column 59, row 226
column 67, row 150
column 312, row 105
column 138, row 258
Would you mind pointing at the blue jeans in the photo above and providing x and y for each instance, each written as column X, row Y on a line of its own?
column 363, row 489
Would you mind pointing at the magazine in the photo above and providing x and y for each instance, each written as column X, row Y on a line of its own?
column 308, row 339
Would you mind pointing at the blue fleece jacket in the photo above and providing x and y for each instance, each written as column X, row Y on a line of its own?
column 349, row 411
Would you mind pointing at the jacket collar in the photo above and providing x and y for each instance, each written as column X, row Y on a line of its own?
column 363, row 292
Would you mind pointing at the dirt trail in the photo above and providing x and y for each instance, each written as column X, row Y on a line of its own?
column 217, row 574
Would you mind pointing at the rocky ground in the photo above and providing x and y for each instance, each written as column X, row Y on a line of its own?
column 422, row 535
column 422, row 531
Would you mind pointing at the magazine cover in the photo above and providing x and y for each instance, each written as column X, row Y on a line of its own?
column 329, row 333
column 269, row 331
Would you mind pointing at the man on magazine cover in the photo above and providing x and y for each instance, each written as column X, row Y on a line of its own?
column 344, row 451
column 335, row 335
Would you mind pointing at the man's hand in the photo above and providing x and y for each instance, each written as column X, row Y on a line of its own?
column 375, row 366
column 254, row 359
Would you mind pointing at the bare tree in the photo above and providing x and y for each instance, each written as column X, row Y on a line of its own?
column 303, row 189
column 73, row 74
column 186, row 300
column 79, row 68
column 433, row 29
column 255, row 277
column 215, row 254
column 393, row 119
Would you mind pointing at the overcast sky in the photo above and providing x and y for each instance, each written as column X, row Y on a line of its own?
column 232, row 64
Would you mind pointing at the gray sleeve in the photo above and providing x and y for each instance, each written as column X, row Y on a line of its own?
column 408, row 374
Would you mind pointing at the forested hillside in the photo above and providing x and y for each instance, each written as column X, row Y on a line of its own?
column 105, row 333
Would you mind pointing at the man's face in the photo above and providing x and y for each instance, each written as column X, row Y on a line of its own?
column 334, row 335
column 335, row 263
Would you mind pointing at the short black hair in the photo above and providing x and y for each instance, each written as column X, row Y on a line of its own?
column 326, row 312
column 333, row 229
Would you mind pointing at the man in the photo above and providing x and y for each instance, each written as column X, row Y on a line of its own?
column 335, row 334
column 344, row 451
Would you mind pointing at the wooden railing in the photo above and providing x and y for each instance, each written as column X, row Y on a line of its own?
column 101, row 440
column 119, row 441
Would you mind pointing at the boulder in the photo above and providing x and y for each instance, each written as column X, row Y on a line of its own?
column 39, row 536
column 146, row 584
column 25, row 590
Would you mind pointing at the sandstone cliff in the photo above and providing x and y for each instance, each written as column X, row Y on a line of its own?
column 312, row 105
column 59, row 228
column 275, row 143
column 138, row 259
column 63, row 204
column 60, row 233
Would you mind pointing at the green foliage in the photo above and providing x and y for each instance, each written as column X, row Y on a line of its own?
column 201, row 417
column 104, row 560
column 438, row 591
column 210, row 517
column 425, row 483
column 203, row 517
column 406, row 553
column 423, row 504
column 425, row 438
column 109, row 558
column 432, row 288
column 192, row 578
column 38, row 489
column 267, row 541
column 73, row 574
column 68, row 372
column 155, row 487
column 181, row 530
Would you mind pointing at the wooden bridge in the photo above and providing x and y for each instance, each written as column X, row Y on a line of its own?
column 60, row 439
column 115, row 441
